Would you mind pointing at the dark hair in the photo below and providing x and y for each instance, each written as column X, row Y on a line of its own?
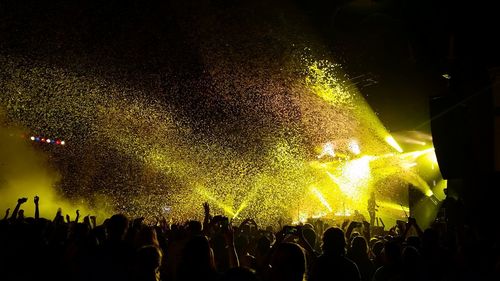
column 288, row 262
column 334, row 241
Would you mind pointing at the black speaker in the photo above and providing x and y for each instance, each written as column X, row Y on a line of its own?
column 449, row 135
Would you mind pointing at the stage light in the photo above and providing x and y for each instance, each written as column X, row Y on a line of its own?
column 42, row 139
column 358, row 169
column 355, row 175
column 48, row 140
column 328, row 149
column 392, row 142
column 58, row 142
column 32, row 138
column 354, row 147
column 409, row 165
column 431, row 156
column 37, row 139
column 63, row 143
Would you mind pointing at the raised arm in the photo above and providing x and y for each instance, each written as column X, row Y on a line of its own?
column 58, row 218
column 20, row 201
column 93, row 221
column 231, row 250
column 206, row 218
column 37, row 210
column 6, row 214
column 77, row 216
column 412, row 222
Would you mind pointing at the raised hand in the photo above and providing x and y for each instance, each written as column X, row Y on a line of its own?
column 37, row 211
column 67, row 218
column 86, row 220
column 58, row 218
column 93, row 220
column 6, row 213
column 206, row 208
column 21, row 215
column 20, row 201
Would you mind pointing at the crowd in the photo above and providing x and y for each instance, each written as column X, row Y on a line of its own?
column 35, row 248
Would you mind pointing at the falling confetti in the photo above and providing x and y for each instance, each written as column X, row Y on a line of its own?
column 243, row 129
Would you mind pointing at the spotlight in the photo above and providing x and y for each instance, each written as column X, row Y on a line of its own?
column 328, row 149
column 392, row 142
column 63, row 143
column 354, row 147
column 48, row 140
column 32, row 138
column 37, row 139
column 434, row 199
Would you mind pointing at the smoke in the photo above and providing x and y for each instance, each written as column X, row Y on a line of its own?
column 25, row 171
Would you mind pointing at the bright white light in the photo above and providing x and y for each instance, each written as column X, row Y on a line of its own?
column 354, row 147
column 32, row 138
column 328, row 149
column 392, row 142
column 63, row 143
column 355, row 175
column 48, row 140
column 409, row 165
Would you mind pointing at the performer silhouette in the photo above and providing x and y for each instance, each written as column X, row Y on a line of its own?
column 372, row 208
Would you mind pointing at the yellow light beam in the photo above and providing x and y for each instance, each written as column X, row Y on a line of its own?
column 321, row 198
column 392, row 142
column 203, row 192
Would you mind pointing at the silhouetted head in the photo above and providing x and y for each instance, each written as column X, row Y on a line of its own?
column 146, row 235
column 359, row 246
column 377, row 248
column 410, row 256
column 148, row 258
column 194, row 227
column 288, row 263
column 117, row 227
column 333, row 241
column 310, row 236
column 263, row 247
column 198, row 255
column 392, row 252
column 241, row 243
column 413, row 241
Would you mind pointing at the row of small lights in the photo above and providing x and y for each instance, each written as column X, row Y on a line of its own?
column 39, row 139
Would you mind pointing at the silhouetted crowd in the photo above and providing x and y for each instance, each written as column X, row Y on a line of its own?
column 35, row 248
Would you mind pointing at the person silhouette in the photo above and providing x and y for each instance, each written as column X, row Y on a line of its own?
column 372, row 208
